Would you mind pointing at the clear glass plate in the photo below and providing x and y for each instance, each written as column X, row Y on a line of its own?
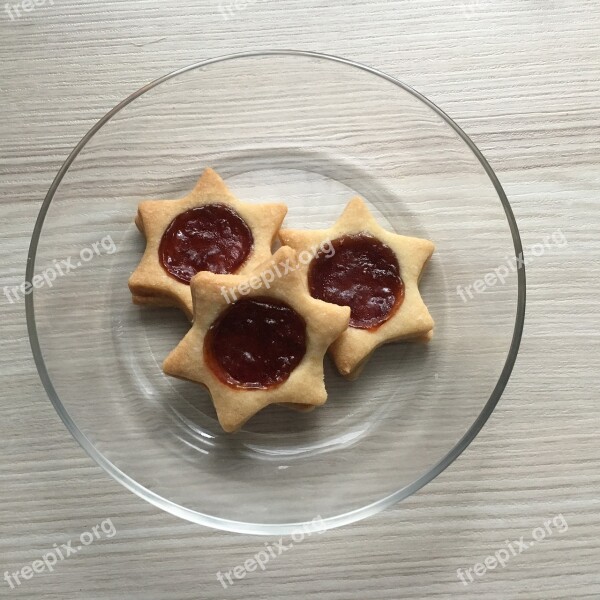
column 310, row 130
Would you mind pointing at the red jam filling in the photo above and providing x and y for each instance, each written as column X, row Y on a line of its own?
column 256, row 343
column 363, row 274
column 211, row 238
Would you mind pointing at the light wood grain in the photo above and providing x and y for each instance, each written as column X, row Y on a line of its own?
column 523, row 78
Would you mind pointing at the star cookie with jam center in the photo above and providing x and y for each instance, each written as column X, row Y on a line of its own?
column 207, row 230
column 359, row 264
column 257, row 340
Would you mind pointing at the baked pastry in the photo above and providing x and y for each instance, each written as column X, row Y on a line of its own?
column 207, row 230
column 257, row 339
column 373, row 271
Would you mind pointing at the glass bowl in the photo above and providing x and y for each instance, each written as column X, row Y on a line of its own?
column 310, row 130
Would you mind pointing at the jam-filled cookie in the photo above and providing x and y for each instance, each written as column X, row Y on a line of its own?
column 374, row 272
column 257, row 339
column 207, row 230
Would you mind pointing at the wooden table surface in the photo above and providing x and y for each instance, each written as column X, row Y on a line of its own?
column 522, row 77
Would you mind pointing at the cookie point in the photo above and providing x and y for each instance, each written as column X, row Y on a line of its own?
column 136, row 281
column 286, row 236
column 358, row 201
column 358, row 204
column 428, row 246
column 284, row 252
column 168, row 363
column 357, row 208
column 210, row 180
column 346, row 314
column 229, row 425
column 201, row 277
column 210, row 173
column 427, row 337
column 280, row 208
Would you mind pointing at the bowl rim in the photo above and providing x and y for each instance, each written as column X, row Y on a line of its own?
column 278, row 528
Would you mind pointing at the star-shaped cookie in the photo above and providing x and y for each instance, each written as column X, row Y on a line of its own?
column 257, row 339
column 357, row 263
column 209, row 229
